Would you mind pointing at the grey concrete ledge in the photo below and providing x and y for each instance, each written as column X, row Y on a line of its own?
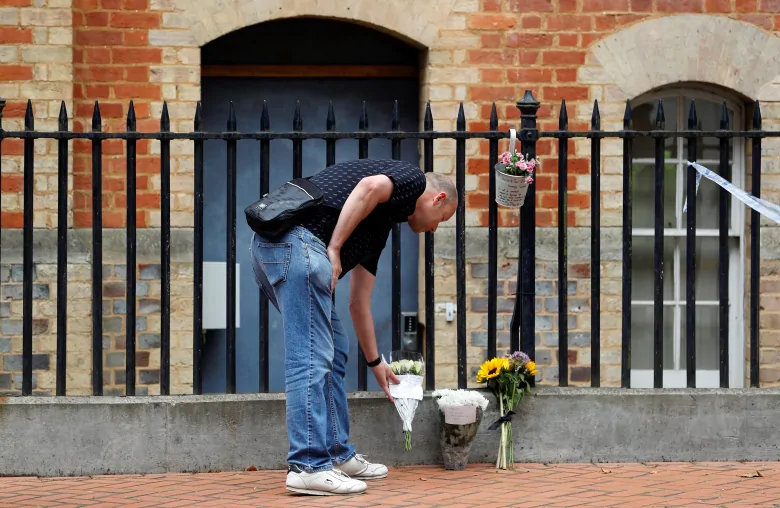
column 109, row 435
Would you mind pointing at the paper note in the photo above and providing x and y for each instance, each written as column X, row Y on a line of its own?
column 460, row 415
column 410, row 387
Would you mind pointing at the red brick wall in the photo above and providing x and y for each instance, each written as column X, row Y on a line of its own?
column 536, row 44
column 111, row 60
column 539, row 45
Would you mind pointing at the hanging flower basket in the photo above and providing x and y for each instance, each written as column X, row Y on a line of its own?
column 514, row 174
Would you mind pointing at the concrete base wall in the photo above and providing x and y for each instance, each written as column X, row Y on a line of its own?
column 111, row 435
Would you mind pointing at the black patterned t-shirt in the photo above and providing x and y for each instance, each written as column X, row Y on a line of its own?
column 365, row 244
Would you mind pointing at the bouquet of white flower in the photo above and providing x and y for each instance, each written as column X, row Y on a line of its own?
column 460, row 412
column 410, row 370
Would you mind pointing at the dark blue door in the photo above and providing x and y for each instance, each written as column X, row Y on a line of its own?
column 281, row 95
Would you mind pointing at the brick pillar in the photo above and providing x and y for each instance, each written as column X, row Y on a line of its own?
column 112, row 59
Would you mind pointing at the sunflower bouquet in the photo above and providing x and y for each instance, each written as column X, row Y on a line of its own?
column 509, row 380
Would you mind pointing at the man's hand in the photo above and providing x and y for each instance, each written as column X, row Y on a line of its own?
column 384, row 374
column 335, row 263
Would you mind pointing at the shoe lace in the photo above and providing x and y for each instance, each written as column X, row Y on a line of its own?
column 362, row 459
column 339, row 472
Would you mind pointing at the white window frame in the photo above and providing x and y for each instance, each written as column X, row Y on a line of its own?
column 676, row 378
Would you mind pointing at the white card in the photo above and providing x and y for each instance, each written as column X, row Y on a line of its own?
column 410, row 387
column 460, row 415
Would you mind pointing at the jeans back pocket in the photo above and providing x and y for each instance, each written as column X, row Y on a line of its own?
column 276, row 261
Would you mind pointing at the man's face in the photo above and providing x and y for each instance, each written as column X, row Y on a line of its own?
column 430, row 211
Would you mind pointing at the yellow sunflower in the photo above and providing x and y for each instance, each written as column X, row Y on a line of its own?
column 492, row 368
column 531, row 366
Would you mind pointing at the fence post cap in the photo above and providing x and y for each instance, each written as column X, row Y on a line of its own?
column 528, row 102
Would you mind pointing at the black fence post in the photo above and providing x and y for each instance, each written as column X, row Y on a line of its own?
column 430, row 291
column 165, row 258
column 97, row 254
column 27, row 253
column 526, row 285
column 130, row 291
column 197, row 287
column 755, row 254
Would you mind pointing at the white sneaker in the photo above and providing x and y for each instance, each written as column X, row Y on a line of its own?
column 359, row 467
column 322, row 483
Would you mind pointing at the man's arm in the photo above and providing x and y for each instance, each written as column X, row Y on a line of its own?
column 362, row 284
column 366, row 195
column 361, row 287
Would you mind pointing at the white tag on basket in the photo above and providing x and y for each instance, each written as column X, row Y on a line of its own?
column 410, row 387
column 512, row 141
column 460, row 415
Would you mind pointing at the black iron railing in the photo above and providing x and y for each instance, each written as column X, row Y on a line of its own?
column 522, row 326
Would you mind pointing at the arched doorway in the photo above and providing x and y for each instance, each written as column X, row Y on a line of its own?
column 309, row 61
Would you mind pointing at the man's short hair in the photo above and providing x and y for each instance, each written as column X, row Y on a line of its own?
column 442, row 183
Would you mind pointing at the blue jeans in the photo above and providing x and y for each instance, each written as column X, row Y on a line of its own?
column 295, row 273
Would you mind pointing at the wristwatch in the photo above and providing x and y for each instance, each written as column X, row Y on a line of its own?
column 375, row 362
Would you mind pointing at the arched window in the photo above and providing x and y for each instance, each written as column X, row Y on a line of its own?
column 677, row 105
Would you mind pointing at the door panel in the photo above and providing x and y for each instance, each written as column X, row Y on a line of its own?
column 281, row 95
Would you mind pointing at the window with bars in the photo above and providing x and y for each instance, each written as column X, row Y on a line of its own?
column 676, row 106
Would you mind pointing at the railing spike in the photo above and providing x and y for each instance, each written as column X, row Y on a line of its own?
column 428, row 121
column 131, row 121
column 165, row 119
column 461, row 123
column 627, row 116
column 363, row 123
column 297, row 120
column 96, row 120
column 330, row 123
column 724, row 116
column 563, row 117
column 63, row 118
column 693, row 119
column 265, row 120
column 232, row 124
column 198, row 122
column 595, row 119
column 493, row 118
column 660, row 118
column 757, row 116
column 29, row 118
column 396, row 122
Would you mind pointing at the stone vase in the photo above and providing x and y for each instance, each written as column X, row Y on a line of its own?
column 456, row 441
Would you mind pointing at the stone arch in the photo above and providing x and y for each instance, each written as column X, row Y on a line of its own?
column 410, row 20
column 706, row 49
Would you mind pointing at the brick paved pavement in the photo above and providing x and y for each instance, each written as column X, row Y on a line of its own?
column 624, row 485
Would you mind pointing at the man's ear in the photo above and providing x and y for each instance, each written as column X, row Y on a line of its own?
column 441, row 196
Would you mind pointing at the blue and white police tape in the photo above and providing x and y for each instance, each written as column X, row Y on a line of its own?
column 763, row 207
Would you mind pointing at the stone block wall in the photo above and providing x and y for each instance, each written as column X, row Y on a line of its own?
column 79, row 314
column 475, row 51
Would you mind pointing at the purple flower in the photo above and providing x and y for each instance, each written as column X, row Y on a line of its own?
column 519, row 356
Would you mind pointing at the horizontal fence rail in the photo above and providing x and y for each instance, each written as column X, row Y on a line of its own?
column 522, row 327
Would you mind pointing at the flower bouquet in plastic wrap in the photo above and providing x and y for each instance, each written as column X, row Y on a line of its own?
column 460, row 413
column 410, row 369
column 509, row 380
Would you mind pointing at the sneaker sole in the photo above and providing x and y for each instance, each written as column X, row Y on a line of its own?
column 379, row 477
column 322, row 492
